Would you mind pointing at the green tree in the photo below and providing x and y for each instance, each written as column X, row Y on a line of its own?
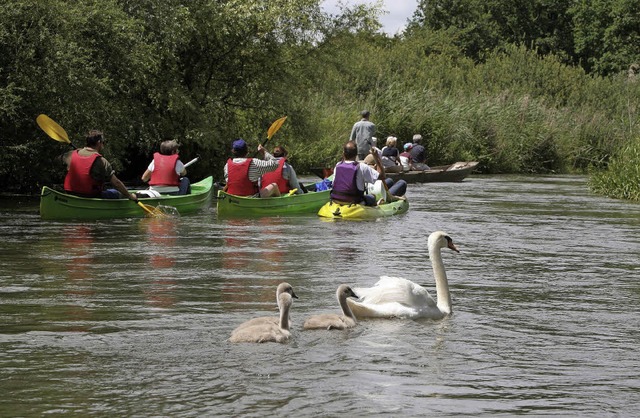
column 199, row 71
column 607, row 35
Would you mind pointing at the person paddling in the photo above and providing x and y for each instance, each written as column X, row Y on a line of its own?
column 284, row 176
column 89, row 172
column 166, row 173
column 242, row 174
column 351, row 177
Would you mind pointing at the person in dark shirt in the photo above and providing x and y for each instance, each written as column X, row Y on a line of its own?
column 419, row 154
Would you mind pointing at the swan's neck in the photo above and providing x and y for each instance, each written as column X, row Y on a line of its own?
column 284, row 316
column 442, row 284
column 346, row 310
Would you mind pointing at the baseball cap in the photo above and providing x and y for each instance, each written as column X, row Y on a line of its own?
column 239, row 144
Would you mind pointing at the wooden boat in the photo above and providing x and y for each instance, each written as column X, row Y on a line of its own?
column 356, row 211
column 296, row 204
column 445, row 173
column 61, row 206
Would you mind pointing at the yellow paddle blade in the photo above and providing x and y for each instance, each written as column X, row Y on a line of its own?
column 159, row 212
column 147, row 208
column 275, row 126
column 52, row 129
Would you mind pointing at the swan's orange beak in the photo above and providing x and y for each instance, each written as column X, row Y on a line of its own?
column 452, row 246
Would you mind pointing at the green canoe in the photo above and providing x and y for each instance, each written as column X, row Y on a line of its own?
column 61, row 206
column 333, row 210
column 297, row 204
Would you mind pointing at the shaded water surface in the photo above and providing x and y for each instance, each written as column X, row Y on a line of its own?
column 131, row 317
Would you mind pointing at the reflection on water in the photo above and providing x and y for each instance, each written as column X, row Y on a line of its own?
column 130, row 317
column 255, row 245
column 78, row 246
column 161, row 238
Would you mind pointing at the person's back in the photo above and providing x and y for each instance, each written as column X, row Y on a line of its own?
column 79, row 180
column 237, row 172
column 350, row 177
column 284, row 177
column 242, row 174
column 345, row 183
column 166, row 173
column 391, row 156
column 419, row 154
column 362, row 134
column 88, row 171
column 406, row 159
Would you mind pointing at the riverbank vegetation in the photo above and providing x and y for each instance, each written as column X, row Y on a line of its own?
column 540, row 89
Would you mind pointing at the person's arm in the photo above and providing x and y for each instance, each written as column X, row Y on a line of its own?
column 264, row 153
column 115, row 181
column 146, row 176
column 66, row 159
column 378, row 161
column 181, row 170
column 380, row 169
column 293, row 180
column 260, row 167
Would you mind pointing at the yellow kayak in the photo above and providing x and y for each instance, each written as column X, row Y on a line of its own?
column 357, row 211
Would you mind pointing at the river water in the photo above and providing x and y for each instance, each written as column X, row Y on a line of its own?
column 131, row 317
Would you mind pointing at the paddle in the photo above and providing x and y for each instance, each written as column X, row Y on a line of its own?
column 376, row 157
column 275, row 126
column 147, row 208
column 191, row 162
column 56, row 132
column 160, row 211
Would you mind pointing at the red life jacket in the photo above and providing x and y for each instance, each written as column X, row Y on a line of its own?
column 164, row 170
column 78, row 179
column 238, row 182
column 276, row 177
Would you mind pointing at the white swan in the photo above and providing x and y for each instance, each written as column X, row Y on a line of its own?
column 397, row 297
column 267, row 331
column 283, row 287
column 335, row 321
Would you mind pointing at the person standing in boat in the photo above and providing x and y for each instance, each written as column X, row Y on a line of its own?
column 362, row 134
column 88, row 171
column 242, row 174
column 419, row 154
column 284, row 176
column 166, row 173
column 351, row 176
